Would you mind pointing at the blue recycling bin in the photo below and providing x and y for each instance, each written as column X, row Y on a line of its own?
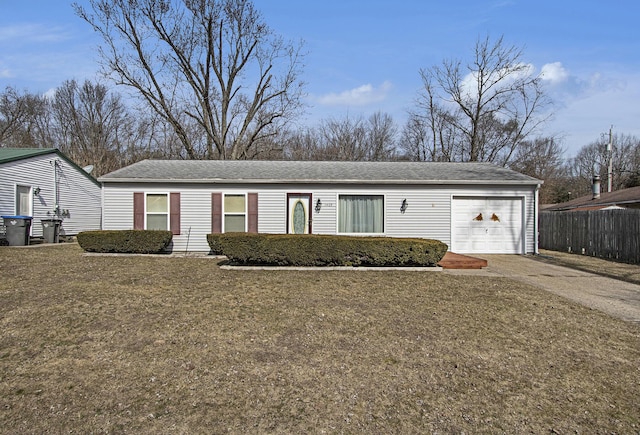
column 18, row 229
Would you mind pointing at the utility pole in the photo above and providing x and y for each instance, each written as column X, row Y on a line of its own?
column 610, row 157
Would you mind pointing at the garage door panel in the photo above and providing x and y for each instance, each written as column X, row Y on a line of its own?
column 462, row 231
column 478, row 231
column 495, row 232
column 487, row 225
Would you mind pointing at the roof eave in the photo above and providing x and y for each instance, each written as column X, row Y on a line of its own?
column 595, row 204
column 59, row 154
column 44, row 151
column 306, row 181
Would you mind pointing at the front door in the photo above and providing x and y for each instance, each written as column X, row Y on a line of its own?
column 298, row 213
column 23, row 200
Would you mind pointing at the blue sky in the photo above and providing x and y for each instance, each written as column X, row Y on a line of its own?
column 366, row 56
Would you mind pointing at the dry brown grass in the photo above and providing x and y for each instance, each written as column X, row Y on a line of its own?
column 613, row 269
column 176, row 345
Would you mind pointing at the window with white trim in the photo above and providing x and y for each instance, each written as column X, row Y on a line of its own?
column 361, row 214
column 235, row 213
column 157, row 211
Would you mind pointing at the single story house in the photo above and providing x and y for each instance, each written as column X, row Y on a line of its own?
column 45, row 184
column 623, row 198
column 472, row 207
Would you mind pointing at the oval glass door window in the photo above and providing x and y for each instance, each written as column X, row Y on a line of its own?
column 299, row 218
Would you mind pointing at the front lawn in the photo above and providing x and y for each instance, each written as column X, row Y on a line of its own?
column 176, row 345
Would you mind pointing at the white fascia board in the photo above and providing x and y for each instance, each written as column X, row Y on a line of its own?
column 306, row 181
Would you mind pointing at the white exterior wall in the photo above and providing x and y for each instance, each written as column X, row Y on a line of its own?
column 428, row 214
column 272, row 212
column 76, row 193
column 195, row 211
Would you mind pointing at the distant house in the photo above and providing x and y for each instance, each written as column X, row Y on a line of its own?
column 45, row 184
column 605, row 225
column 623, row 198
column 472, row 207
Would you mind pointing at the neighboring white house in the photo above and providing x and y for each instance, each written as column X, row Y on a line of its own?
column 44, row 184
column 472, row 207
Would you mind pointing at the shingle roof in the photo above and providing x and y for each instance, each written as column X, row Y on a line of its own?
column 258, row 171
column 624, row 197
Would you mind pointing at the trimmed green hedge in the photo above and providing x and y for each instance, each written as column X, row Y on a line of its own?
column 322, row 250
column 126, row 241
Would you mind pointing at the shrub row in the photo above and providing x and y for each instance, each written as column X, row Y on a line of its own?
column 127, row 241
column 322, row 250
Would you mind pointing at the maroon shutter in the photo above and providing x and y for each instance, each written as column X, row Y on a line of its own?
column 216, row 213
column 138, row 210
column 174, row 212
column 252, row 213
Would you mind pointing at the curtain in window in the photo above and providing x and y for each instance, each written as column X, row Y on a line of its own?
column 361, row 214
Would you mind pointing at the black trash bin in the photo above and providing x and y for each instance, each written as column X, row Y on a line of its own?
column 51, row 230
column 18, row 229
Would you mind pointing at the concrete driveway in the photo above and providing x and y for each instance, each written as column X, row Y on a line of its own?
column 616, row 298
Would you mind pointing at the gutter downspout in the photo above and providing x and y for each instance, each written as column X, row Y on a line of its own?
column 56, row 193
column 535, row 220
column 102, row 205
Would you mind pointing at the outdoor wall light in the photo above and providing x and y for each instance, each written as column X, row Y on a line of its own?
column 36, row 191
column 318, row 205
column 404, row 205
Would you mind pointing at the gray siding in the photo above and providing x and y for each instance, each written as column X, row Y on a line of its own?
column 76, row 193
column 117, row 207
column 195, row 212
column 272, row 212
column 325, row 221
column 428, row 214
column 195, row 219
column 81, row 197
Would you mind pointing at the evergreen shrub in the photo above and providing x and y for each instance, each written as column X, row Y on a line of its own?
column 325, row 250
column 125, row 241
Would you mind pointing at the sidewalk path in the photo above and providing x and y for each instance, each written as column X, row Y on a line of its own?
column 616, row 298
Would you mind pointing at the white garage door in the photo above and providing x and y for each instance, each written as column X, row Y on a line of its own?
column 487, row 225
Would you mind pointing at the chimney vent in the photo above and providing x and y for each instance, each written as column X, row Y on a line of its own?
column 596, row 186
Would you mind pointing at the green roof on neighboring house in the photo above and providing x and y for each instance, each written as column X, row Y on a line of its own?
column 12, row 154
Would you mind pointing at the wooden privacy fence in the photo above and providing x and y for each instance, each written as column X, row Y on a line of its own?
column 612, row 234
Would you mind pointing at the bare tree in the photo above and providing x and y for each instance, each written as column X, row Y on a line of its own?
column 382, row 132
column 91, row 126
column 481, row 111
column 343, row 138
column 542, row 158
column 593, row 159
column 348, row 138
column 213, row 63
column 22, row 120
column 358, row 139
column 302, row 144
column 429, row 134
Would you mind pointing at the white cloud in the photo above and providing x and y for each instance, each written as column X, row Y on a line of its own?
column 469, row 84
column 587, row 105
column 33, row 33
column 360, row 96
column 554, row 73
column 50, row 94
